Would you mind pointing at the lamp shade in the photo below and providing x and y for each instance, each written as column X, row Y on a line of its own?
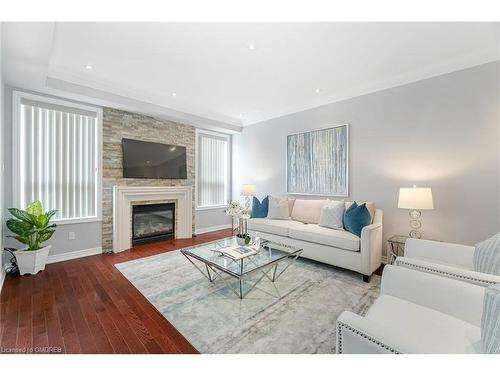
column 415, row 198
column 247, row 190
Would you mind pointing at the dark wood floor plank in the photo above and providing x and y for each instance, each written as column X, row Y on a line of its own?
column 87, row 306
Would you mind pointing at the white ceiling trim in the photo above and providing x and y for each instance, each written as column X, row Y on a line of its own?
column 109, row 99
column 464, row 62
column 164, row 101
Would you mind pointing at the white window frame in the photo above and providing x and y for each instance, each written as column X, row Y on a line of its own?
column 229, row 168
column 17, row 96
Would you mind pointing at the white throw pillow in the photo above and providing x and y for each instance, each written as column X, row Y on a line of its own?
column 278, row 208
column 308, row 210
column 332, row 215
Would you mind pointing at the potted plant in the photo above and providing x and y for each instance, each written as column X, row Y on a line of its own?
column 243, row 238
column 237, row 211
column 31, row 227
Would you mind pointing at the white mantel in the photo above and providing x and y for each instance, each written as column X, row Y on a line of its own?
column 124, row 196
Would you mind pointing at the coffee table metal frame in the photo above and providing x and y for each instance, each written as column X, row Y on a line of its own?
column 213, row 271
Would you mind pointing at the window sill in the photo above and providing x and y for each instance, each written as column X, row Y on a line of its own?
column 77, row 221
column 207, row 208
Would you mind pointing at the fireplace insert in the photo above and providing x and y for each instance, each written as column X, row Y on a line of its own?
column 153, row 222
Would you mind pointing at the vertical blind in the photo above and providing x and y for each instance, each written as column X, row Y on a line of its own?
column 58, row 159
column 213, row 170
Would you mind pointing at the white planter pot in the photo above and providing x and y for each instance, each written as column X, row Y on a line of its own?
column 32, row 262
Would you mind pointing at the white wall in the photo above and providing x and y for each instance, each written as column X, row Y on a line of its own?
column 441, row 132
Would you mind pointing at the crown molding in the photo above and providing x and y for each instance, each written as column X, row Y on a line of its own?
column 451, row 66
column 109, row 99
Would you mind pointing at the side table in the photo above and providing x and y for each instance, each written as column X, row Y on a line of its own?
column 397, row 247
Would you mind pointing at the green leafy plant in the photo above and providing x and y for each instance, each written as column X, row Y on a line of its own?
column 245, row 237
column 31, row 227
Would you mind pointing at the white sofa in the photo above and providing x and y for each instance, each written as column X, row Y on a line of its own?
column 336, row 247
column 408, row 318
column 445, row 259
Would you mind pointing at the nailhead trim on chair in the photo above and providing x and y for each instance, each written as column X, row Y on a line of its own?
column 341, row 325
column 445, row 273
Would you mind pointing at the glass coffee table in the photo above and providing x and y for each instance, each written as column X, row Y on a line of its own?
column 270, row 262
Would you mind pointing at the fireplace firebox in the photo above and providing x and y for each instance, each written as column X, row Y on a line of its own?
column 153, row 222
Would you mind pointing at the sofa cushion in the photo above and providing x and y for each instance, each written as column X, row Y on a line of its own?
column 487, row 256
column 332, row 215
column 278, row 208
column 356, row 218
column 325, row 236
column 259, row 209
column 369, row 205
column 308, row 210
column 424, row 330
column 490, row 321
column 273, row 226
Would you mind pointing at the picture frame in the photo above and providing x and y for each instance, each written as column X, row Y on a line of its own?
column 317, row 162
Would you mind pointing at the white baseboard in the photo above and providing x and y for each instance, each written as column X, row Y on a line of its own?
column 2, row 278
column 74, row 255
column 212, row 229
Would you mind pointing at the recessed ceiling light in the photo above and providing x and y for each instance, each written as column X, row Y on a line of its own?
column 174, row 94
column 251, row 47
column 317, row 91
column 88, row 67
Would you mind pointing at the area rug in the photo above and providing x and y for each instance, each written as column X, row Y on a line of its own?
column 296, row 314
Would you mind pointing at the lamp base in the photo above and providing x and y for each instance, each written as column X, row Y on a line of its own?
column 415, row 234
column 415, row 224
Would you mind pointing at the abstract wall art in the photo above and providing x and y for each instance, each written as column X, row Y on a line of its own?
column 317, row 162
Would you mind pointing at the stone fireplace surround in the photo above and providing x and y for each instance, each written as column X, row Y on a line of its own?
column 125, row 196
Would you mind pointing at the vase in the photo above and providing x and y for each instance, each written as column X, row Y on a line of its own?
column 243, row 226
column 32, row 261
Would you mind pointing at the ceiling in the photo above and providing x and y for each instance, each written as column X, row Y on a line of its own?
column 219, row 80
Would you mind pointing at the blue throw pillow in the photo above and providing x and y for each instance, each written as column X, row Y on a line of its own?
column 356, row 217
column 259, row 209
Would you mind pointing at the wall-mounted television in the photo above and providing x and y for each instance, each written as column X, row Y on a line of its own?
column 153, row 160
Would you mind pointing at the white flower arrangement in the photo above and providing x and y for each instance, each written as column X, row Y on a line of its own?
column 236, row 210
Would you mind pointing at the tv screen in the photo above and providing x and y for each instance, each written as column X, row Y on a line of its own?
column 153, row 160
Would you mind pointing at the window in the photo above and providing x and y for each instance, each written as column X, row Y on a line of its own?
column 56, row 156
column 212, row 175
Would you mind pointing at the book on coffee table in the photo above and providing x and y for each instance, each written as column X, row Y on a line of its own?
column 237, row 252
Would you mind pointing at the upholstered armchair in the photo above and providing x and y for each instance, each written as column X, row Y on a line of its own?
column 416, row 312
column 445, row 259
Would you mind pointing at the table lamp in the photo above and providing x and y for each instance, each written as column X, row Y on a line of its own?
column 247, row 191
column 415, row 199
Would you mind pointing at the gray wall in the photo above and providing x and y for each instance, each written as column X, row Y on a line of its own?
column 210, row 220
column 441, row 132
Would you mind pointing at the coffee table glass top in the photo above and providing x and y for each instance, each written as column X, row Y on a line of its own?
column 270, row 253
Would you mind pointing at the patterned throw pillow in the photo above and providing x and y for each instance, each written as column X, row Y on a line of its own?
column 487, row 256
column 356, row 218
column 332, row 215
column 490, row 321
column 259, row 209
column 278, row 208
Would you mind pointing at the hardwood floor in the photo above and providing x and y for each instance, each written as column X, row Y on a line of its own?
column 86, row 306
